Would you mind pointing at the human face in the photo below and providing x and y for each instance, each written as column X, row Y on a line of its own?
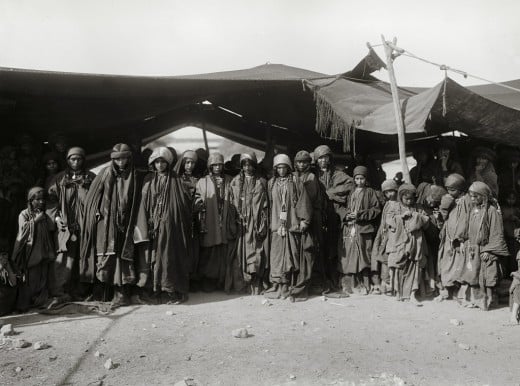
column 476, row 198
column 324, row 162
column 511, row 200
column 38, row 202
column 408, row 199
column 482, row 162
column 443, row 153
column 189, row 165
column 75, row 162
column 247, row 167
column 282, row 170
column 51, row 166
column 360, row 181
column 160, row 165
column 302, row 166
column 390, row 195
column 216, row 169
column 455, row 193
column 122, row 162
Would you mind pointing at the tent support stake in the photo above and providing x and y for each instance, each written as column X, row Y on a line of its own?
column 389, row 50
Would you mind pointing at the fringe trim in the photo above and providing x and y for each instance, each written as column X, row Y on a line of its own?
column 329, row 124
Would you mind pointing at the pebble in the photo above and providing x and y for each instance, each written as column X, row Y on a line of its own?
column 20, row 343
column 456, row 322
column 53, row 358
column 154, row 326
column 303, row 323
column 40, row 346
column 18, row 369
column 240, row 333
column 170, row 313
column 109, row 364
column 292, row 376
column 97, row 354
column 464, row 346
column 266, row 302
column 7, row 329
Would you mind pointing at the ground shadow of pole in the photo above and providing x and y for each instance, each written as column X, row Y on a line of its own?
column 115, row 320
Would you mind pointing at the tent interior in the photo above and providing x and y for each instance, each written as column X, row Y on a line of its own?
column 271, row 103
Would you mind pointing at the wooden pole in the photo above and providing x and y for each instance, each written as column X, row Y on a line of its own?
column 389, row 50
column 204, row 133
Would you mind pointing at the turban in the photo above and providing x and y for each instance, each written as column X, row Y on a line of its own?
column 303, row 155
column 190, row 154
column 282, row 159
column 406, row 188
column 121, row 150
column 360, row 170
column 76, row 151
column 455, row 181
column 215, row 159
column 389, row 185
column 161, row 152
column 480, row 188
column 321, row 151
column 33, row 192
column 248, row 156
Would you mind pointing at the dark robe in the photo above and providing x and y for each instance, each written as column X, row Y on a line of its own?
column 355, row 247
column 251, row 204
column 107, row 244
column 291, row 249
column 32, row 256
column 406, row 247
column 164, row 224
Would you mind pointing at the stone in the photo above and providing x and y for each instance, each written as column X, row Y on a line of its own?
column 18, row 369
column 20, row 343
column 170, row 313
column 40, row 346
column 464, row 346
column 97, row 354
column 303, row 323
column 7, row 330
column 292, row 376
column 456, row 322
column 154, row 326
column 109, row 364
column 240, row 333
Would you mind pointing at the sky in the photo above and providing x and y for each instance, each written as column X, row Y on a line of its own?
column 159, row 37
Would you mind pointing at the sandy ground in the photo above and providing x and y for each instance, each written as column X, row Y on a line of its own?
column 360, row 340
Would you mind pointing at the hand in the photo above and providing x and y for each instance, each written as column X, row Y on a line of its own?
column 406, row 214
column 61, row 224
column 99, row 217
column 303, row 226
column 39, row 217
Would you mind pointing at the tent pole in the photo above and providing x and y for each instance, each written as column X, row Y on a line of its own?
column 389, row 50
column 205, row 135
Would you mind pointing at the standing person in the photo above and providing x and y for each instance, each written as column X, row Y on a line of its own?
column 51, row 168
column 485, row 245
column 358, row 229
column 446, row 162
column 291, row 213
column 379, row 257
column 34, row 251
column 511, row 219
column 218, row 225
column 163, row 230
column 335, row 186
column 70, row 188
column 251, row 203
column 509, row 172
column 184, row 168
column 311, row 184
column 483, row 169
column 107, row 244
column 406, row 246
column 455, row 209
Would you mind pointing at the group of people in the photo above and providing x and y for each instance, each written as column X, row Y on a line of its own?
column 302, row 227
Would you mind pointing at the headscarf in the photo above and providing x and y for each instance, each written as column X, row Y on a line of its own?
column 282, row 159
column 303, row 155
column 215, row 159
column 121, row 150
column 455, row 181
column 161, row 152
column 389, row 185
column 481, row 188
column 251, row 156
column 76, row 151
column 406, row 189
column 322, row 150
column 360, row 170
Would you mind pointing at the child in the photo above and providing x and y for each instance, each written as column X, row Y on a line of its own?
column 514, row 298
column 380, row 273
column 34, row 251
column 406, row 246
column 485, row 244
column 358, row 228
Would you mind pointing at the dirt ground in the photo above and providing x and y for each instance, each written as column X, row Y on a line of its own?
column 368, row 340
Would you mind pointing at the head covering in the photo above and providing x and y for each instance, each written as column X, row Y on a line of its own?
column 321, row 151
column 76, row 151
column 484, row 152
column 303, row 155
column 202, row 153
column 406, row 188
column 282, row 159
column 34, row 191
column 360, row 170
column 455, row 181
column 446, row 143
column 251, row 156
column 161, row 152
column 190, row 154
column 436, row 193
column 389, row 185
column 121, row 150
column 480, row 188
column 215, row 158
column 50, row 156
